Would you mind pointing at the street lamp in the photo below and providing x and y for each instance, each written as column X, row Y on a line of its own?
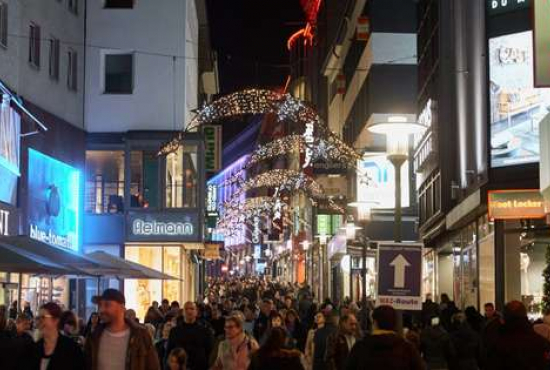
column 397, row 130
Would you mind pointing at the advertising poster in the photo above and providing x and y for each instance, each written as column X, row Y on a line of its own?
column 541, row 28
column 53, row 201
column 378, row 182
column 517, row 107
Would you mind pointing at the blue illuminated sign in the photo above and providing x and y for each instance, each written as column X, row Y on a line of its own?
column 53, row 201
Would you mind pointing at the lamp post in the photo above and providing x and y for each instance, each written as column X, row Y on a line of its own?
column 397, row 130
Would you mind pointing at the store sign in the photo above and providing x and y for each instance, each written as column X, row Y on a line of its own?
column 337, row 245
column 53, row 201
column 309, row 140
column 212, row 200
column 504, row 6
column 517, row 107
column 9, row 220
column 257, row 252
column 515, row 204
column 213, row 147
column 162, row 226
column 541, row 28
column 400, row 276
column 329, row 167
column 256, row 231
column 376, row 182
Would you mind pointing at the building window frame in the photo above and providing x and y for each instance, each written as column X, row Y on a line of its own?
column 72, row 5
column 34, row 45
column 104, row 84
column 3, row 24
column 72, row 70
column 54, row 58
column 119, row 4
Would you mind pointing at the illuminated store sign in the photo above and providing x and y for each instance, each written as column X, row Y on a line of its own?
column 9, row 220
column 516, row 204
column 53, row 201
column 256, row 232
column 517, row 107
column 212, row 200
column 213, row 149
column 308, row 138
column 162, row 226
column 504, row 6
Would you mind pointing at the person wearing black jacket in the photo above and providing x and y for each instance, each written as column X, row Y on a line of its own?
column 262, row 322
column 55, row 351
column 320, row 339
column 194, row 338
column 384, row 349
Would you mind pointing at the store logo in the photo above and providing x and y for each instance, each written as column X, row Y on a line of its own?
column 308, row 138
column 49, row 237
column 256, row 232
column 4, row 222
column 141, row 227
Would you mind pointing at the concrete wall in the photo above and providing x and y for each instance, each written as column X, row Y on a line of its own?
column 35, row 85
column 164, row 39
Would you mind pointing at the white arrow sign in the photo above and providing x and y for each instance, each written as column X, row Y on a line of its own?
column 399, row 265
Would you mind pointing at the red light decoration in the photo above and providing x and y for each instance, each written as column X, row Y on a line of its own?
column 305, row 32
column 311, row 8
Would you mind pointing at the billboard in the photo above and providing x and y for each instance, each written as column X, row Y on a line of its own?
column 53, row 201
column 10, row 130
column 517, row 107
column 515, row 204
column 377, row 183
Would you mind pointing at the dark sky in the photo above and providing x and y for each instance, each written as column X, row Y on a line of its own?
column 250, row 38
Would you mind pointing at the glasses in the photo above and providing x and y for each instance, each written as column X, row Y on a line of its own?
column 42, row 317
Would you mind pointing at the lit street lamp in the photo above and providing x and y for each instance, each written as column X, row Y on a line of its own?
column 397, row 130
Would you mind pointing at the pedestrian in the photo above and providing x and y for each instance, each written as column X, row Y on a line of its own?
column 467, row 345
column 384, row 349
column 340, row 344
column 517, row 346
column 436, row 346
column 543, row 328
column 23, row 343
column 93, row 322
column 68, row 325
column 195, row 339
column 164, row 306
column 235, row 351
column 118, row 343
column 262, row 321
column 429, row 309
column 177, row 359
column 27, row 310
column 296, row 330
column 217, row 321
column 153, row 316
column 249, row 312
column 55, row 351
column 13, row 313
column 319, row 322
column 320, row 339
column 274, row 356
column 162, row 344
column 6, row 342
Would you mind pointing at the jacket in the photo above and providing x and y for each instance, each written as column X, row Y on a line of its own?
column 283, row 359
column 66, row 356
column 196, row 340
column 517, row 346
column 467, row 344
column 140, row 354
column 436, row 347
column 320, row 339
column 384, row 351
column 337, row 351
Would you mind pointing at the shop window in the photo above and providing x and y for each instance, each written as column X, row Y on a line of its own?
column 104, row 181
column 144, row 185
column 34, row 45
column 172, row 267
column 119, row 73
column 182, row 178
column 119, row 4
column 141, row 292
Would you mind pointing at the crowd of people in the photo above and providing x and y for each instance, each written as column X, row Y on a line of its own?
column 250, row 323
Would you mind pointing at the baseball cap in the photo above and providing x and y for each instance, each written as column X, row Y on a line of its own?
column 110, row 295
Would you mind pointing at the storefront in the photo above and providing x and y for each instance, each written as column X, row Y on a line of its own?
column 9, row 225
column 166, row 241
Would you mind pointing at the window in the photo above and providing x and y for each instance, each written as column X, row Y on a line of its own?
column 104, row 181
column 73, row 6
column 54, row 58
column 72, row 68
column 119, row 4
column 34, row 45
column 3, row 24
column 144, row 182
column 182, row 178
column 119, row 73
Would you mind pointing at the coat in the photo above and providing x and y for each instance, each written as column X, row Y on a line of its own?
column 140, row 355
column 283, row 359
column 320, row 339
column 517, row 346
column 467, row 344
column 436, row 347
column 67, row 355
column 196, row 340
column 337, row 351
column 384, row 351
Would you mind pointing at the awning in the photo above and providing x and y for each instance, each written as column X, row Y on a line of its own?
column 15, row 260
column 76, row 263
column 121, row 268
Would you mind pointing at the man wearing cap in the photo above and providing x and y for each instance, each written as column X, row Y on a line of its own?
column 119, row 343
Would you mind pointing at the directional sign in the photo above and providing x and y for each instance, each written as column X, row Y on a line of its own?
column 400, row 276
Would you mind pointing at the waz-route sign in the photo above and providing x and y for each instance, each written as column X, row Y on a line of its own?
column 400, row 276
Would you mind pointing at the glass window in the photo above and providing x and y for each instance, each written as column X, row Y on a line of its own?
column 119, row 4
column 486, row 262
column 182, row 178
column 119, row 73
column 72, row 70
column 34, row 45
column 144, row 185
column 172, row 267
column 141, row 292
column 3, row 24
column 104, row 181
column 54, row 58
